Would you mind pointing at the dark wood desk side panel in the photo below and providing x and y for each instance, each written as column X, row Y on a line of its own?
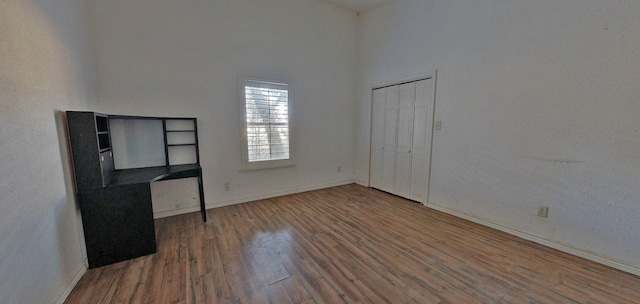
column 84, row 150
column 118, row 223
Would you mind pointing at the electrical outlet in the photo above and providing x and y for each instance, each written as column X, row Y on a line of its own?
column 339, row 169
column 543, row 211
column 227, row 186
column 438, row 124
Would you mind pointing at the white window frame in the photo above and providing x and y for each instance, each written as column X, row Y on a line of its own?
column 246, row 165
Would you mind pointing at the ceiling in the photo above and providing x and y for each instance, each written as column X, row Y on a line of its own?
column 359, row 6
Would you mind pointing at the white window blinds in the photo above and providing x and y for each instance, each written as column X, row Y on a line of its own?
column 266, row 111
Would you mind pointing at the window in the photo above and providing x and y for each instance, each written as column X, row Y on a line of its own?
column 266, row 131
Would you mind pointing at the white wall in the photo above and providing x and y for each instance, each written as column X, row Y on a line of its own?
column 183, row 58
column 45, row 68
column 539, row 103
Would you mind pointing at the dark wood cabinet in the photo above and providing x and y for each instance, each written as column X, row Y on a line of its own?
column 91, row 149
column 118, row 223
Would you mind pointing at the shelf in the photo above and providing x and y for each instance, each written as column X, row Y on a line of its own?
column 181, row 130
column 179, row 145
column 180, row 154
column 105, row 149
column 103, row 132
column 102, row 124
column 103, row 141
column 172, row 124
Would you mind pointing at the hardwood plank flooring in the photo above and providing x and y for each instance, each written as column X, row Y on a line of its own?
column 347, row 244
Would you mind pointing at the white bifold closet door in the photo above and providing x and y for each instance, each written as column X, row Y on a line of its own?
column 402, row 119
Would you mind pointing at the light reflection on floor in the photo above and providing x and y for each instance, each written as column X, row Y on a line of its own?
column 270, row 249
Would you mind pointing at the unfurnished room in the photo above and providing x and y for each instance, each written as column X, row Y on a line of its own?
column 319, row 151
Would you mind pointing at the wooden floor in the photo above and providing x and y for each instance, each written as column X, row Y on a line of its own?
column 347, row 244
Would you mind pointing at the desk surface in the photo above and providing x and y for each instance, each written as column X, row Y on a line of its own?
column 152, row 174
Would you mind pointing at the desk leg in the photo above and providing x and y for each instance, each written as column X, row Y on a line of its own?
column 203, row 209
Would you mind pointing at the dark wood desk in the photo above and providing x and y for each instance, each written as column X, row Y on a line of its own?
column 118, row 218
column 152, row 174
column 117, row 214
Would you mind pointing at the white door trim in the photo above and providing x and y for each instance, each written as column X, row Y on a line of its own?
column 403, row 80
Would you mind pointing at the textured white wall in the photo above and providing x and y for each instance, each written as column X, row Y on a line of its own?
column 183, row 58
column 539, row 103
column 45, row 68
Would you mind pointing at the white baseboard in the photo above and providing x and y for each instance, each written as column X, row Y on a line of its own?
column 161, row 214
column 168, row 213
column 362, row 183
column 592, row 256
column 76, row 278
column 276, row 194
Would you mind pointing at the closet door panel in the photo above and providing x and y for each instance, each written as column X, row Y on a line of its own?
column 391, row 118
column 423, row 117
column 388, row 174
column 392, row 96
column 390, row 125
column 421, row 150
column 407, row 93
column 377, row 119
column 377, row 130
column 424, row 91
column 419, row 171
column 403, row 174
column 390, row 138
column 405, row 128
column 377, row 161
column 377, row 137
column 420, row 126
column 406, row 97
